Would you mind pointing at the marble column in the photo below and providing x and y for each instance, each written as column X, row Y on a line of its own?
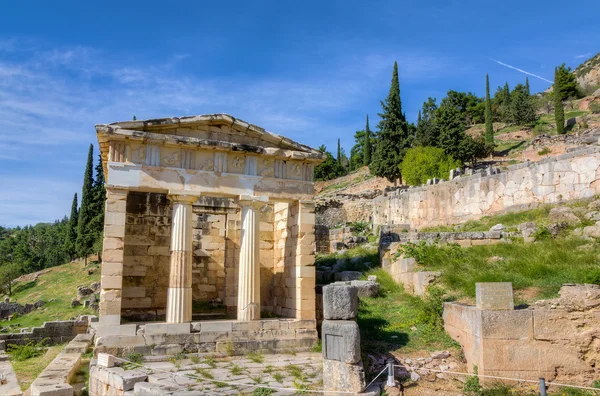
column 179, row 297
column 248, row 306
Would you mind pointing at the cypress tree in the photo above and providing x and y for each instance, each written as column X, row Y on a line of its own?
column 339, row 153
column 367, row 145
column 85, row 234
column 527, row 86
column 71, row 232
column 392, row 138
column 489, row 126
column 98, row 198
column 559, row 113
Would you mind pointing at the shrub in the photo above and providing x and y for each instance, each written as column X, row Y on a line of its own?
column 544, row 151
column 135, row 357
column 422, row 163
column 27, row 351
column 359, row 226
column 472, row 386
column 540, row 128
column 595, row 108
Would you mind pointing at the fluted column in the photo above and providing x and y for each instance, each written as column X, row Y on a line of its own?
column 179, row 297
column 248, row 307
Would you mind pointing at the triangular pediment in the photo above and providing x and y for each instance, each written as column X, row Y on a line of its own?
column 217, row 128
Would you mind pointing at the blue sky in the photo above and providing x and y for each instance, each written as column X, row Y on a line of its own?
column 308, row 70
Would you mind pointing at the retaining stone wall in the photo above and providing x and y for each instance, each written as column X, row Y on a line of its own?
column 570, row 176
column 52, row 332
column 553, row 341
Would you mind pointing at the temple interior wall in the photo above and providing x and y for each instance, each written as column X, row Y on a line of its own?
column 216, row 235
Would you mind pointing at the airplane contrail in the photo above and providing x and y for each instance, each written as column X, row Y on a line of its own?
column 521, row 70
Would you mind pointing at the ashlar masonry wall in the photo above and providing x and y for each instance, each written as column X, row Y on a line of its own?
column 216, row 234
column 569, row 176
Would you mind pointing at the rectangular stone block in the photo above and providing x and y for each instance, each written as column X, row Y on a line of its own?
column 211, row 326
column 111, row 282
column 114, row 330
column 341, row 341
column 507, row 325
column 494, row 296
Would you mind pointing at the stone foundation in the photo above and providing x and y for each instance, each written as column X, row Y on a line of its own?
column 224, row 336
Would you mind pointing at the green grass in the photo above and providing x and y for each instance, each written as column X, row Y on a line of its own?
column 575, row 113
column 545, row 265
column 60, row 284
column 397, row 321
column 28, row 370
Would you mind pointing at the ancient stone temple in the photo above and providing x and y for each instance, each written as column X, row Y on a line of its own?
column 209, row 227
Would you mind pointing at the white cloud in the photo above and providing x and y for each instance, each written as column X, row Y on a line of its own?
column 50, row 101
column 584, row 56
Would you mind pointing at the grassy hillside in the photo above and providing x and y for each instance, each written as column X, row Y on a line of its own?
column 59, row 283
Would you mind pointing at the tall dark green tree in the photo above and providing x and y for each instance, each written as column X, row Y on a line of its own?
column 559, row 112
column 339, row 153
column 329, row 169
column 567, row 83
column 392, row 137
column 451, row 126
column 426, row 133
column 71, row 232
column 85, row 232
column 98, row 199
column 522, row 106
column 367, row 144
column 489, row 126
column 527, row 89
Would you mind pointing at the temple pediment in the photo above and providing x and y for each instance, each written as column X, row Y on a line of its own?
column 217, row 131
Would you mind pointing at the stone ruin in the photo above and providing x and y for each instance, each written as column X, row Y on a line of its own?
column 555, row 339
column 209, row 227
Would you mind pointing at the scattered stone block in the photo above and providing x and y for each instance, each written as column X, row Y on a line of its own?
column 366, row 288
column 498, row 227
column 563, row 214
column 494, row 296
column 340, row 302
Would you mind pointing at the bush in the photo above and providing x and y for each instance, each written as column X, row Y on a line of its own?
column 595, row 108
column 27, row 351
column 541, row 128
column 544, row 151
column 422, row 163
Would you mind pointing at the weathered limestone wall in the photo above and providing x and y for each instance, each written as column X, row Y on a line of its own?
column 344, row 209
column 52, row 332
column 294, row 256
column 569, row 176
column 555, row 340
column 216, row 233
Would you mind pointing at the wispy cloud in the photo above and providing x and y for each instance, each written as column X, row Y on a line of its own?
column 521, row 70
column 50, row 98
column 584, row 56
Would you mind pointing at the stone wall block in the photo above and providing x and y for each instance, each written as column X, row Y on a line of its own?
column 340, row 302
